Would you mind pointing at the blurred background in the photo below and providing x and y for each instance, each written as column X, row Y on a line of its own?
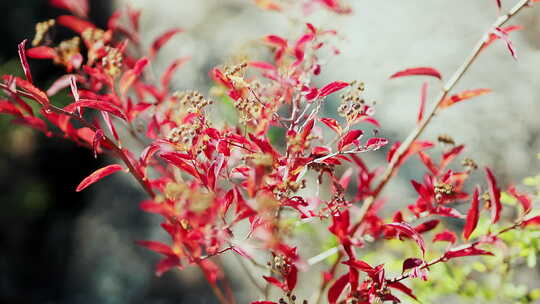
column 58, row 246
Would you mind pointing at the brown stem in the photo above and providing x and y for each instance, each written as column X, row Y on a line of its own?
column 450, row 84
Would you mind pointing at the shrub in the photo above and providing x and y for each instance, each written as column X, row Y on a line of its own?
column 278, row 166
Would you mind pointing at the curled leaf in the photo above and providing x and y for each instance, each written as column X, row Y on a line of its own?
column 419, row 71
column 522, row 198
column 534, row 222
column 161, row 40
column 472, row 215
column 411, row 263
column 98, row 105
column 332, row 124
column 409, row 231
column 332, row 87
column 24, row 61
column 77, row 7
column 76, row 24
column 97, row 175
column 131, row 75
column 167, row 76
column 337, row 288
column 445, row 236
column 349, row 138
column 495, row 197
column 41, row 52
column 427, row 226
column 467, row 251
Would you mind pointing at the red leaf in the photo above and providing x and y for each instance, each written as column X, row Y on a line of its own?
column 504, row 36
column 98, row 105
column 38, row 94
column 161, row 40
column 167, row 76
column 276, row 40
column 445, row 236
column 24, row 61
column 467, row 251
column 427, row 226
column 337, row 288
column 376, row 143
column 534, row 221
column 420, row 71
column 462, row 96
column 274, row 281
column 332, row 87
column 59, row 84
column 401, row 287
column 110, row 124
column 522, row 198
column 73, row 86
column 148, row 152
column 262, row 65
column 176, row 160
column 211, row 271
column 495, row 196
column 428, row 162
column 332, row 124
column 74, row 23
column 292, row 278
column 449, row 156
column 166, row 264
column 153, row 207
column 472, row 215
column 156, row 247
column 493, row 36
column 77, row 7
column 411, row 263
column 498, row 4
column 97, row 175
column 349, row 138
column 360, row 265
column 131, row 75
column 409, row 231
column 8, row 108
column 423, row 97
column 219, row 77
column 41, row 52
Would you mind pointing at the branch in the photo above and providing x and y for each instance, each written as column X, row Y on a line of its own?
column 450, row 84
